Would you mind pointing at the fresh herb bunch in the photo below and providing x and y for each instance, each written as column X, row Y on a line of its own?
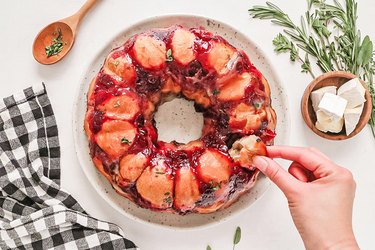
column 329, row 34
column 56, row 46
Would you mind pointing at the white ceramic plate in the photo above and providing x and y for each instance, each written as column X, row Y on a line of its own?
column 102, row 186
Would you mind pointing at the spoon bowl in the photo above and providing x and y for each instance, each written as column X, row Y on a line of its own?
column 45, row 38
column 67, row 27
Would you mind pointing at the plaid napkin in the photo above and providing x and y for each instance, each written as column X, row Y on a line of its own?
column 35, row 212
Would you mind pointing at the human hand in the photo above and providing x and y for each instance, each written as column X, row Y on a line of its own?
column 320, row 195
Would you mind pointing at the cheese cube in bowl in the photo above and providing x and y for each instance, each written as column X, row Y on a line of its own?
column 352, row 116
column 353, row 92
column 317, row 95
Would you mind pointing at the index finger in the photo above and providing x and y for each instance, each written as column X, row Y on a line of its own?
column 309, row 158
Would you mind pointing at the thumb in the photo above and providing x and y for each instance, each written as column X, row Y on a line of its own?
column 286, row 182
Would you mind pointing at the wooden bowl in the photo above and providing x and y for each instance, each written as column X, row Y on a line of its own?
column 335, row 78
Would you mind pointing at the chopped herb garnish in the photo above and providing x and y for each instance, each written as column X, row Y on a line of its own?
column 215, row 185
column 160, row 172
column 117, row 104
column 57, row 45
column 259, row 140
column 208, row 247
column 169, row 52
column 169, row 56
column 116, row 63
column 125, row 141
column 237, row 237
column 215, row 92
column 257, row 105
column 168, row 200
column 167, row 193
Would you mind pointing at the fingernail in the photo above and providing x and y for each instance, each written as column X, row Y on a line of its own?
column 260, row 163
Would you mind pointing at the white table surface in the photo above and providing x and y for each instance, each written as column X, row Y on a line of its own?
column 265, row 225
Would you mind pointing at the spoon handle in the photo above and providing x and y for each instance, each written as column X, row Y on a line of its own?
column 84, row 9
column 74, row 20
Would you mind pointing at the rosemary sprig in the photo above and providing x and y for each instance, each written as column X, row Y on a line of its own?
column 282, row 44
column 328, row 33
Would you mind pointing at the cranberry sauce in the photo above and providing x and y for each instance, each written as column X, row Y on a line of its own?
column 148, row 82
column 96, row 121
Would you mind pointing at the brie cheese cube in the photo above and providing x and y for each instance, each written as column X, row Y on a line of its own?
column 352, row 117
column 317, row 95
column 326, row 123
column 333, row 106
column 353, row 92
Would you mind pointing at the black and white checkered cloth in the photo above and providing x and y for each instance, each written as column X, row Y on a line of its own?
column 35, row 212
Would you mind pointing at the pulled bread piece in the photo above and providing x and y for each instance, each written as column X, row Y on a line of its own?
column 244, row 149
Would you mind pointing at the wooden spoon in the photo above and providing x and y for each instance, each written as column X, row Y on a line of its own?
column 67, row 27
